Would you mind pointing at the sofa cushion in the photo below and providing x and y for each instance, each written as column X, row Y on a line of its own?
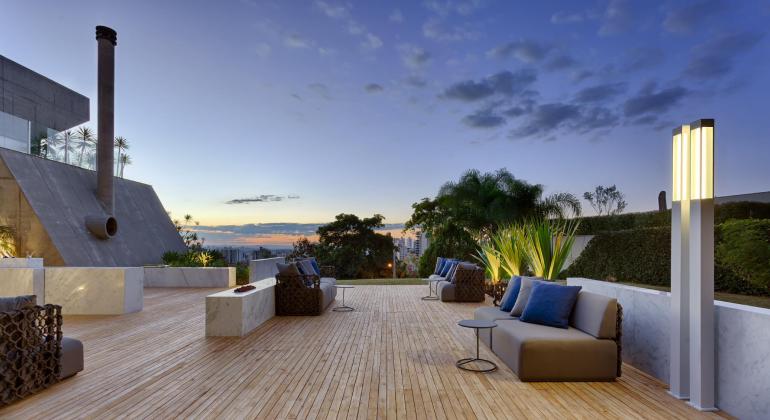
column 539, row 353
column 305, row 267
column 595, row 314
column 523, row 297
column 288, row 269
column 330, row 280
column 435, row 277
column 446, row 267
column 15, row 303
column 490, row 313
column 550, row 304
column 328, row 293
column 71, row 357
column 511, row 293
column 445, row 291
column 315, row 265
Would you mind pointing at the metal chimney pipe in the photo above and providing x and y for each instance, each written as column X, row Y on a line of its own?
column 106, row 39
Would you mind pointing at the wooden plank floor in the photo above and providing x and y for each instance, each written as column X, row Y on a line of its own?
column 391, row 358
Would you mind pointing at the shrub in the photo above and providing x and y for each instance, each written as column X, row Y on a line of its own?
column 193, row 259
column 241, row 274
column 744, row 249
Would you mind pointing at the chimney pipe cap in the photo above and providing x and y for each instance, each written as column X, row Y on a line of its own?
column 103, row 32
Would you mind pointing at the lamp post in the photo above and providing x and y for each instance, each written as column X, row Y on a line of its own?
column 701, row 265
column 679, row 372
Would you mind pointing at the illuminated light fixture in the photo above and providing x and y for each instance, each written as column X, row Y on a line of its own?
column 702, row 159
column 681, row 163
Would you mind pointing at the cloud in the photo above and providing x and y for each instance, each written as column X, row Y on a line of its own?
column 684, row 19
column 333, row 11
column 297, row 41
column 504, row 83
column 396, row 16
column 649, row 101
column 416, row 81
column 296, row 96
column 617, row 18
column 373, row 88
column 547, row 119
column 444, row 8
column 484, row 118
column 413, row 56
column 262, row 50
column 716, row 57
column 527, row 51
column 643, row 57
column 600, row 93
column 264, row 198
column 567, row 17
column 436, row 30
column 321, row 90
column 561, row 62
column 371, row 42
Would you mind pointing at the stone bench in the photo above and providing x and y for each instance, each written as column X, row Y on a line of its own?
column 230, row 314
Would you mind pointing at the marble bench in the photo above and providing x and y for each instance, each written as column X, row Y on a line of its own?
column 230, row 314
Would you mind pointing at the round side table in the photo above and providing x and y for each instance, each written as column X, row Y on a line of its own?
column 343, row 307
column 431, row 296
column 477, row 325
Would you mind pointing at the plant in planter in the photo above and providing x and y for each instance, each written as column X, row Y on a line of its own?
column 548, row 244
column 510, row 243
column 7, row 242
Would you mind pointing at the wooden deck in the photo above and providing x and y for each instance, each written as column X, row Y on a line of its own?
column 392, row 358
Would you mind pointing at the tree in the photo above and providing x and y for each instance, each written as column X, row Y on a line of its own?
column 187, row 231
column 352, row 246
column 302, row 248
column 476, row 206
column 124, row 160
column 122, row 145
column 606, row 200
column 86, row 139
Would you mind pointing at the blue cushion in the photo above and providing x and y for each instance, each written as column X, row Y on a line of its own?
column 446, row 267
column 300, row 268
column 550, row 304
column 511, row 293
column 314, row 263
column 439, row 265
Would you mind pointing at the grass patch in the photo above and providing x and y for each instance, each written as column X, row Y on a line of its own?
column 380, row 282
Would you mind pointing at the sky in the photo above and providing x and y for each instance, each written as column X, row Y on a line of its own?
column 257, row 117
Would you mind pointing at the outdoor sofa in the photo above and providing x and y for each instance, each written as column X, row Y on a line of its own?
column 304, row 288
column 33, row 353
column 588, row 349
column 458, row 281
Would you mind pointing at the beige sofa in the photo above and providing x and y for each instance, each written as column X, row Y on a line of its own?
column 589, row 350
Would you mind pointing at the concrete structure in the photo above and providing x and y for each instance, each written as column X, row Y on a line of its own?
column 741, row 334
column 23, row 281
column 264, row 269
column 95, row 290
column 221, row 277
column 230, row 314
column 21, row 263
column 49, row 204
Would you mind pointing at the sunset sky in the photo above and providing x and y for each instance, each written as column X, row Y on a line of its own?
column 287, row 112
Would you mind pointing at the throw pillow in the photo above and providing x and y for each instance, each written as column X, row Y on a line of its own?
column 315, row 265
column 306, row 267
column 288, row 269
column 511, row 293
column 523, row 297
column 15, row 303
column 300, row 268
column 446, row 267
column 439, row 265
column 450, row 275
column 550, row 304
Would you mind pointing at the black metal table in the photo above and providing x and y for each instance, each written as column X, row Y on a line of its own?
column 430, row 282
column 477, row 324
column 343, row 307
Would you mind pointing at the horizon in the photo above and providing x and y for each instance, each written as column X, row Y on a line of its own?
column 260, row 112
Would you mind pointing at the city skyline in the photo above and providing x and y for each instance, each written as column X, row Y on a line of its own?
column 256, row 112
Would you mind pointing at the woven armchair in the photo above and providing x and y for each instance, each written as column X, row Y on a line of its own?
column 469, row 285
column 30, row 351
column 294, row 295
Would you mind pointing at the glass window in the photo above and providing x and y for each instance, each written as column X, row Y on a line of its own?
column 14, row 133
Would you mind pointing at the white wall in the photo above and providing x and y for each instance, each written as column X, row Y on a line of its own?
column 742, row 348
column 264, row 268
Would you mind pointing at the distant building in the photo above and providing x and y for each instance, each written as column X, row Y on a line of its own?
column 420, row 243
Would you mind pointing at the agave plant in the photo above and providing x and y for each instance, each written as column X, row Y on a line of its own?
column 510, row 243
column 489, row 257
column 548, row 244
column 7, row 242
column 204, row 258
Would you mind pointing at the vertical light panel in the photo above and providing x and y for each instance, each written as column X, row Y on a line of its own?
column 701, row 159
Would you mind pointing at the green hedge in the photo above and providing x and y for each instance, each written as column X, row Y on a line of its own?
column 723, row 212
column 742, row 257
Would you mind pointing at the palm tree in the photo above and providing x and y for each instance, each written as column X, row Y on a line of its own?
column 122, row 145
column 124, row 160
column 66, row 138
column 86, row 139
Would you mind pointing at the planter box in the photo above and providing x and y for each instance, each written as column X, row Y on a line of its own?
column 21, row 263
column 95, row 290
column 221, row 277
column 23, row 281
